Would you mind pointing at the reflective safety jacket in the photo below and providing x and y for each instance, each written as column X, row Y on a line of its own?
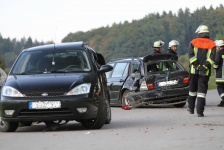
column 201, row 52
column 219, row 66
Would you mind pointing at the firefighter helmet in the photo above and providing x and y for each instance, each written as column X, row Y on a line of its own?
column 219, row 43
column 158, row 43
column 202, row 29
column 173, row 42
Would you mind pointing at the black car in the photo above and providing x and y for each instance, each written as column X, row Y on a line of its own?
column 56, row 83
column 153, row 80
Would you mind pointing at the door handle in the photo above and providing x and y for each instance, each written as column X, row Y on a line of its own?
column 121, row 80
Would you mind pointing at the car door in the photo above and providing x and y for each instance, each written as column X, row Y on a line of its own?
column 116, row 79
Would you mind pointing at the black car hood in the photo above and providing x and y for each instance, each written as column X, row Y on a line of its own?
column 46, row 82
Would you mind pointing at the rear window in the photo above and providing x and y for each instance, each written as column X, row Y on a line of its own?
column 162, row 66
column 55, row 61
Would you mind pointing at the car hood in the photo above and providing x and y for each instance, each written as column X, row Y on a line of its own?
column 46, row 82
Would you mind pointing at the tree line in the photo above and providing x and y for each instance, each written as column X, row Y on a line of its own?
column 135, row 38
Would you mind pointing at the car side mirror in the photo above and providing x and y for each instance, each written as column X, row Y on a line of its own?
column 106, row 68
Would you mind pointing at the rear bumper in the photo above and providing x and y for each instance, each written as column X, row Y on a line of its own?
column 68, row 110
column 158, row 98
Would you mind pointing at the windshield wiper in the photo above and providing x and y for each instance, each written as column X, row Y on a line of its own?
column 57, row 71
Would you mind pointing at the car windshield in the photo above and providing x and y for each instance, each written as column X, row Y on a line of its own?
column 161, row 66
column 51, row 61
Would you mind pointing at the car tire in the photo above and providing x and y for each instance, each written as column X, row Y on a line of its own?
column 101, row 118
column 8, row 126
column 180, row 105
column 123, row 101
column 108, row 120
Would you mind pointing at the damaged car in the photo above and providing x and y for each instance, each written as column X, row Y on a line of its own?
column 153, row 80
column 55, row 84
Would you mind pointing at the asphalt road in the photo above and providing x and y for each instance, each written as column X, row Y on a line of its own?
column 140, row 128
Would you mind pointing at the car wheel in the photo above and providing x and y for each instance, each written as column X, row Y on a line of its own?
column 8, row 126
column 179, row 105
column 108, row 113
column 124, row 102
column 101, row 118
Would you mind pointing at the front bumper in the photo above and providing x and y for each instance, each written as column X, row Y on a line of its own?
column 158, row 98
column 68, row 110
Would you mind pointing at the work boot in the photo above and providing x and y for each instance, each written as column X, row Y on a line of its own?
column 221, row 104
column 200, row 115
column 190, row 111
column 191, row 104
column 200, row 106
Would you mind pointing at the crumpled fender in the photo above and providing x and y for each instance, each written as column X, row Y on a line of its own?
column 137, row 99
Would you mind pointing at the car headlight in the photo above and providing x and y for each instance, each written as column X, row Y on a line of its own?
column 11, row 92
column 80, row 89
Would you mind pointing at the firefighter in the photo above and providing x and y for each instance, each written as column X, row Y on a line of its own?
column 201, row 53
column 172, row 48
column 157, row 47
column 219, row 67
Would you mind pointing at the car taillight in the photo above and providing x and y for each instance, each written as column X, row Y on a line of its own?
column 150, row 86
column 145, row 87
column 186, row 81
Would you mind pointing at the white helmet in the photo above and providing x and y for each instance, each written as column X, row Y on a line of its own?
column 219, row 43
column 158, row 43
column 173, row 42
column 202, row 29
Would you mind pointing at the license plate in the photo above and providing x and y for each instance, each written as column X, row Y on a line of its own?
column 45, row 105
column 168, row 83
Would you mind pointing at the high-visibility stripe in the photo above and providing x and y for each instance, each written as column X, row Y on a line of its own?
column 203, row 95
column 208, row 57
column 219, row 80
column 193, row 59
column 192, row 93
column 221, row 95
column 215, row 66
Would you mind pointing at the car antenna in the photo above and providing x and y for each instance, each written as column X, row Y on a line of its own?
column 55, row 35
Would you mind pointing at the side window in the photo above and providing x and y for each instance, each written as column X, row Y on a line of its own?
column 121, row 69
column 125, row 74
column 135, row 68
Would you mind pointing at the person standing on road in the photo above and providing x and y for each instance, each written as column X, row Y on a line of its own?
column 219, row 67
column 202, row 55
column 157, row 47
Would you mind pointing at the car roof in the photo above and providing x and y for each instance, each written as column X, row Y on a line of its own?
column 61, row 46
column 156, row 57
column 131, row 59
column 147, row 58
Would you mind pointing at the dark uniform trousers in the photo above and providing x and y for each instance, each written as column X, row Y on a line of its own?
column 198, row 92
column 220, row 89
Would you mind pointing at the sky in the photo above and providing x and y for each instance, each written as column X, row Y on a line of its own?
column 52, row 20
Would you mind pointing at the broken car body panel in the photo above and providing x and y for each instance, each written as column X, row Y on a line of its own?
column 166, row 79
